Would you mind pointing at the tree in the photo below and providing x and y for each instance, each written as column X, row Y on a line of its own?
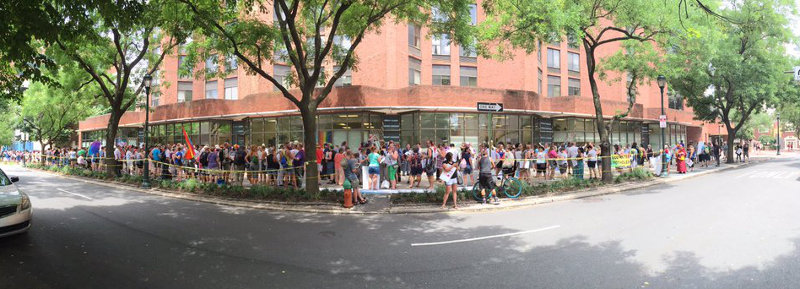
column 312, row 35
column 761, row 122
column 597, row 24
column 8, row 113
column 26, row 26
column 115, row 43
column 731, row 70
column 51, row 114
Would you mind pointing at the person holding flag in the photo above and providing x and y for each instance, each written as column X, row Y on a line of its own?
column 189, row 155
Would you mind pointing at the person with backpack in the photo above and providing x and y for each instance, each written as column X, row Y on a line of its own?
column 239, row 161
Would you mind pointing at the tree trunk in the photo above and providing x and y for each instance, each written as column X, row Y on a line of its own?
column 42, row 158
column 605, row 146
column 729, row 152
column 310, row 144
column 111, row 136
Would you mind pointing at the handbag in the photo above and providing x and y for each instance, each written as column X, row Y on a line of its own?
column 459, row 178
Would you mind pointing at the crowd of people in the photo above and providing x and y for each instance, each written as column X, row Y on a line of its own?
column 386, row 164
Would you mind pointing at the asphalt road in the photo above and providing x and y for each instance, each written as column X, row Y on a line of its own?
column 733, row 229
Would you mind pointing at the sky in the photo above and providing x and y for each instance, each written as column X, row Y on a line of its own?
column 793, row 49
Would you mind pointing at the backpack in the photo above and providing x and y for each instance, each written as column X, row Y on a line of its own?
column 238, row 158
column 204, row 159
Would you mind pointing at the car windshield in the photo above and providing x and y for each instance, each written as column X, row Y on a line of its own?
column 4, row 181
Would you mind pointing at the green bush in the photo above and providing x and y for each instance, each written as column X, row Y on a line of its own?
column 189, row 185
column 636, row 174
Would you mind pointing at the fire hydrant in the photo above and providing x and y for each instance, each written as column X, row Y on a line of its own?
column 348, row 194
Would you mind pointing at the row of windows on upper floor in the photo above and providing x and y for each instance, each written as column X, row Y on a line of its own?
column 440, row 76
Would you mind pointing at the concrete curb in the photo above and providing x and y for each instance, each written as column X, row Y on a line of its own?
column 328, row 208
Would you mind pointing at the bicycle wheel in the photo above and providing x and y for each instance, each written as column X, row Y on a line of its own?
column 476, row 192
column 512, row 187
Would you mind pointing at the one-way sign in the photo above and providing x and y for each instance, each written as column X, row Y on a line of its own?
column 490, row 107
column 797, row 73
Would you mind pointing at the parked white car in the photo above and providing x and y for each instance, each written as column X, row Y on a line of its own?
column 15, row 207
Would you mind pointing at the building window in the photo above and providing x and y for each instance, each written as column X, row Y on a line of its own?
column 184, row 91
column 211, row 64
column 473, row 14
column 553, row 58
column 154, row 97
column 342, row 42
column 469, row 76
column 539, row 87
column 280, row 53
column 232, row 88
column 345, row 80
column 574, row 87
column 573, row 62
column 184, row 71
column 539, row 52
column 441, row 75
column 572, row 41
column 211, row 90
column 675, row 100
column 231, row 63
column 414, row 71
column 440, row 44
column 467, row 51
column 553, row 86
column 281, row 74
column 413, row 35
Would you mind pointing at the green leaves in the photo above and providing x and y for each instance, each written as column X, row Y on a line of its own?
column 730, row 70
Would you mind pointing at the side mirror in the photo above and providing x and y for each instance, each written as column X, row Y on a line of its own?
column 14, row 179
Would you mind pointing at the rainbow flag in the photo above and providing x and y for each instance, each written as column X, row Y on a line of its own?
column 189, row 146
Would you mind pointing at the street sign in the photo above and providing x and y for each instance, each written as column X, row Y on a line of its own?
column 490, row 107
column 662, row 121
column 797, row 73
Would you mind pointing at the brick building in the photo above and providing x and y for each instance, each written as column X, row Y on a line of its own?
column 411, row 88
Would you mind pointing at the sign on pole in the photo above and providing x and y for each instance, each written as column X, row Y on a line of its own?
column 490, row 107
column 797, row 73
column 662, row 121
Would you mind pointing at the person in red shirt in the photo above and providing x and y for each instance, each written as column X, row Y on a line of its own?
column 337, row 164
column 319, row 161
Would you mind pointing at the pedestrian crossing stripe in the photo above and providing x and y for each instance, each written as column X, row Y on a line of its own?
column 763, row 174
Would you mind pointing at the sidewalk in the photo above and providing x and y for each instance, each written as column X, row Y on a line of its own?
column 380, row 203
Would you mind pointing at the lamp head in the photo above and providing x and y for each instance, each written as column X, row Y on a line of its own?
column 662, row 81
column 147, row 79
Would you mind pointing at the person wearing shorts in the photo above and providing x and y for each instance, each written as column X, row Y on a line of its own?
column 391, row 161
column 374, row 168
column 351, row 173
column 485, row 168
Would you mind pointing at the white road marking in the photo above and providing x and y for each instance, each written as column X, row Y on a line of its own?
column 75, row 194
column 485, row 237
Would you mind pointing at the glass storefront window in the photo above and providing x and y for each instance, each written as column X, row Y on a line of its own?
column 257, row 125
column 427, row 120
column 512, row 122
column 296, row 123
column 442, row 120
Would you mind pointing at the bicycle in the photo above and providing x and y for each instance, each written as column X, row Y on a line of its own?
column 510, row 186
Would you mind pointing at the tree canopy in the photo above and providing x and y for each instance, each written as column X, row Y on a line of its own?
column 637, row 25
column 730, row 70
column 317, row 39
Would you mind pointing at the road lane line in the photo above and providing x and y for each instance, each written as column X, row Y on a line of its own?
column 75, row 194
column 485, row 237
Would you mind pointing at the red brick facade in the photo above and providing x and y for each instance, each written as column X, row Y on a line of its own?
column 382, row 82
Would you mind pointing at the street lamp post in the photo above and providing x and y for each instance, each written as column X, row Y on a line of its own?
column 778, row 141
column 146, row 174
column 662, row 82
